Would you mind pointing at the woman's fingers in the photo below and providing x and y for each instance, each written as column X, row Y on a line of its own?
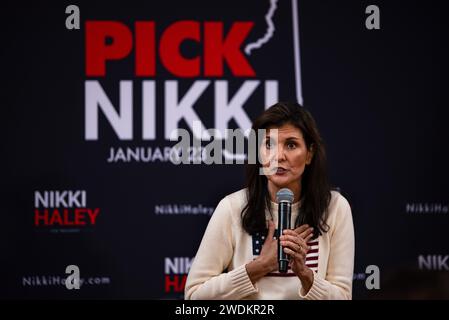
column 301, row 228
column 295, row 255
column 291, row 245
column 308, row 237
column 306, row 233
column 296, row 239
column 289, row 232
column 288, row 237
column 295, row 246
column 303, row 234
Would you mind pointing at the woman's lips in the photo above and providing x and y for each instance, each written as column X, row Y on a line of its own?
column 280, row 171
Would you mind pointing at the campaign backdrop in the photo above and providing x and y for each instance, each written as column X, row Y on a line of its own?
column 88, row 112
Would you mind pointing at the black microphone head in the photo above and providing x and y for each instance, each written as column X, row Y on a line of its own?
column 284, row 194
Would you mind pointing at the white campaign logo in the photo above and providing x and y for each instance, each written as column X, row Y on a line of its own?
column 269, row 19
column 180, row 96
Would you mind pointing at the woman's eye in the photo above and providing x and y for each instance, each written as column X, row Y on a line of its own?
column 291, row 146
column 268, row 144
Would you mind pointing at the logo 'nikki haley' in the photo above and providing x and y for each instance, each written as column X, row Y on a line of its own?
column 63, row 209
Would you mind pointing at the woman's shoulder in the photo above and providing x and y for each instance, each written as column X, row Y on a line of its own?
column 338, row 199
column 338, row 206
column 339, row 218
column 233, row 203
column 237, row 200
column 237, row 196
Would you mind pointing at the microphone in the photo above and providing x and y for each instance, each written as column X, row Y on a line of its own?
column 284, row 197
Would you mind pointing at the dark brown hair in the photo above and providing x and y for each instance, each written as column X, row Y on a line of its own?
column 315, row 191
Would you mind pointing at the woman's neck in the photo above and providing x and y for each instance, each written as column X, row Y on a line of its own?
column 295, row 188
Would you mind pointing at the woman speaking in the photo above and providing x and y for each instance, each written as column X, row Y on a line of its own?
column 238, row 258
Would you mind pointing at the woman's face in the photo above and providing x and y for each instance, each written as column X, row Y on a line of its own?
column 284, row 155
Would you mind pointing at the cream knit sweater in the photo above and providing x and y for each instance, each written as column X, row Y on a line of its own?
column 218, row 270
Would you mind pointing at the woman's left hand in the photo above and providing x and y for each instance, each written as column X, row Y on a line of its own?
column 295, row 245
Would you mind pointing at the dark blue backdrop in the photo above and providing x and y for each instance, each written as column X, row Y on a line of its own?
column 379, row 98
